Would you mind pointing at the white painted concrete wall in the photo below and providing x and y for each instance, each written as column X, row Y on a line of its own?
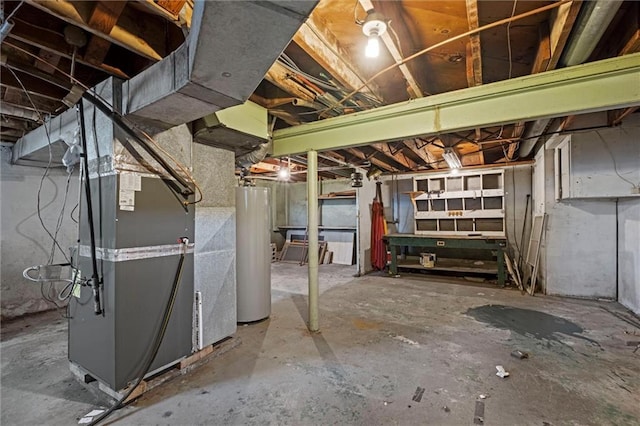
column 24, row 242
column 629, row 254
column 578, row 254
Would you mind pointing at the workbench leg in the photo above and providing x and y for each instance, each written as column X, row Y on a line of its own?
column 501, row 272
column 394, row 260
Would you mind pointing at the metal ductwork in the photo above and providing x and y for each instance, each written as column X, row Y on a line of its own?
column 230, row 47
column 240, row 128
column 593, row 20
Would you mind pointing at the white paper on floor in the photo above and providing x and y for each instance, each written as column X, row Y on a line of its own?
column 88, row 418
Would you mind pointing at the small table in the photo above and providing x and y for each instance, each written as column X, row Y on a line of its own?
column 454, row 241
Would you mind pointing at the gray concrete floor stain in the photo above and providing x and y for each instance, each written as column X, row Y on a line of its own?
column 528, row 322
column 381, row 339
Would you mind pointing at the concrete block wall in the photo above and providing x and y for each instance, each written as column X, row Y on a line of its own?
column 24, row 242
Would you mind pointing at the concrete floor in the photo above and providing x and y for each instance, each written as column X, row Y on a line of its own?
column 411, row 350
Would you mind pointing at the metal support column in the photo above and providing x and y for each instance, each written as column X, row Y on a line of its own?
column 312, row 214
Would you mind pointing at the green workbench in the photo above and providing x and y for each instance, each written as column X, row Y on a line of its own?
column 494, row 244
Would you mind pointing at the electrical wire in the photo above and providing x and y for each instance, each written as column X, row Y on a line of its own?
column 450, row 40
column 106, row 107
column 513, row 11
column 47, row 169
column 148, row 361
column 13, row 12
column 96, row 281
column 615, row 164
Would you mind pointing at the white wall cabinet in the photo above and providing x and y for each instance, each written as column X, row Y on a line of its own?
column 467, row 203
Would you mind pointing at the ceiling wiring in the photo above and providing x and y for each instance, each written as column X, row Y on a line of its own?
column 106, row 108
column 46, row 171
column 452, row 39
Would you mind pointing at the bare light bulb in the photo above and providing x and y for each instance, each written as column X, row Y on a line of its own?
column 373, row 47
column 283, row 173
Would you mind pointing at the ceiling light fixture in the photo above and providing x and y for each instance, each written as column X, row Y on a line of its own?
column 373, row 27
column 451, row 157
column 284, row 172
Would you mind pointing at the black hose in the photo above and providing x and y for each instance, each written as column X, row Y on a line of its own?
column 154, row 348
column 95, row 281
column 118, row 119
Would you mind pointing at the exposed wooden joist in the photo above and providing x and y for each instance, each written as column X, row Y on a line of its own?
column 415, row 90
column 130, row 33
column 562, row 20
column 49, row 42
column 552, row 40
column 32, row 71
column 424, row 153
column 19, row 111
column 172, row 6
column 615, row 117
column 543, row 55
column 280, row 77
column 51, row 61
column 12, row 133
column 33, row 85
column 103, row 18
column 474, row 52
column 13, row 123
column 397, row 156
column 319, row 43
column 358, row 154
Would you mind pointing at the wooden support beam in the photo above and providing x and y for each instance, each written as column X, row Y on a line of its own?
column 281, row 77
column 562, row 20
column 172, row 6
column 615, row 117
column 52, row 61
column 396, row 157
column 103, row 18
column 357, row 153
column 130, row 33
column 12, row 133
column 13, row 123
column 37, row 37
column 425, row 155
column 543, row 55
column 323, row 46
column 413, row 88
column 474, row 52
column 33, row 85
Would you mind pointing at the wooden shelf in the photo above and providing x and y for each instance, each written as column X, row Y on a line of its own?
column 329, row 197
column 454, row 265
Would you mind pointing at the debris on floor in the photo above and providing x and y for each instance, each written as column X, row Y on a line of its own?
column 478, row 415
column 483, row 396
column 446, row 409
column 519, row 354
column 408, row 341
column 501, row 371
column 88, row 418
column 417, row 397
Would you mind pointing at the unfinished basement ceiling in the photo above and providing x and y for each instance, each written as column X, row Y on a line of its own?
column 324, row 62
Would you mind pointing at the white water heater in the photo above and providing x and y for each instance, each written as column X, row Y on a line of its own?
column 253, row 253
